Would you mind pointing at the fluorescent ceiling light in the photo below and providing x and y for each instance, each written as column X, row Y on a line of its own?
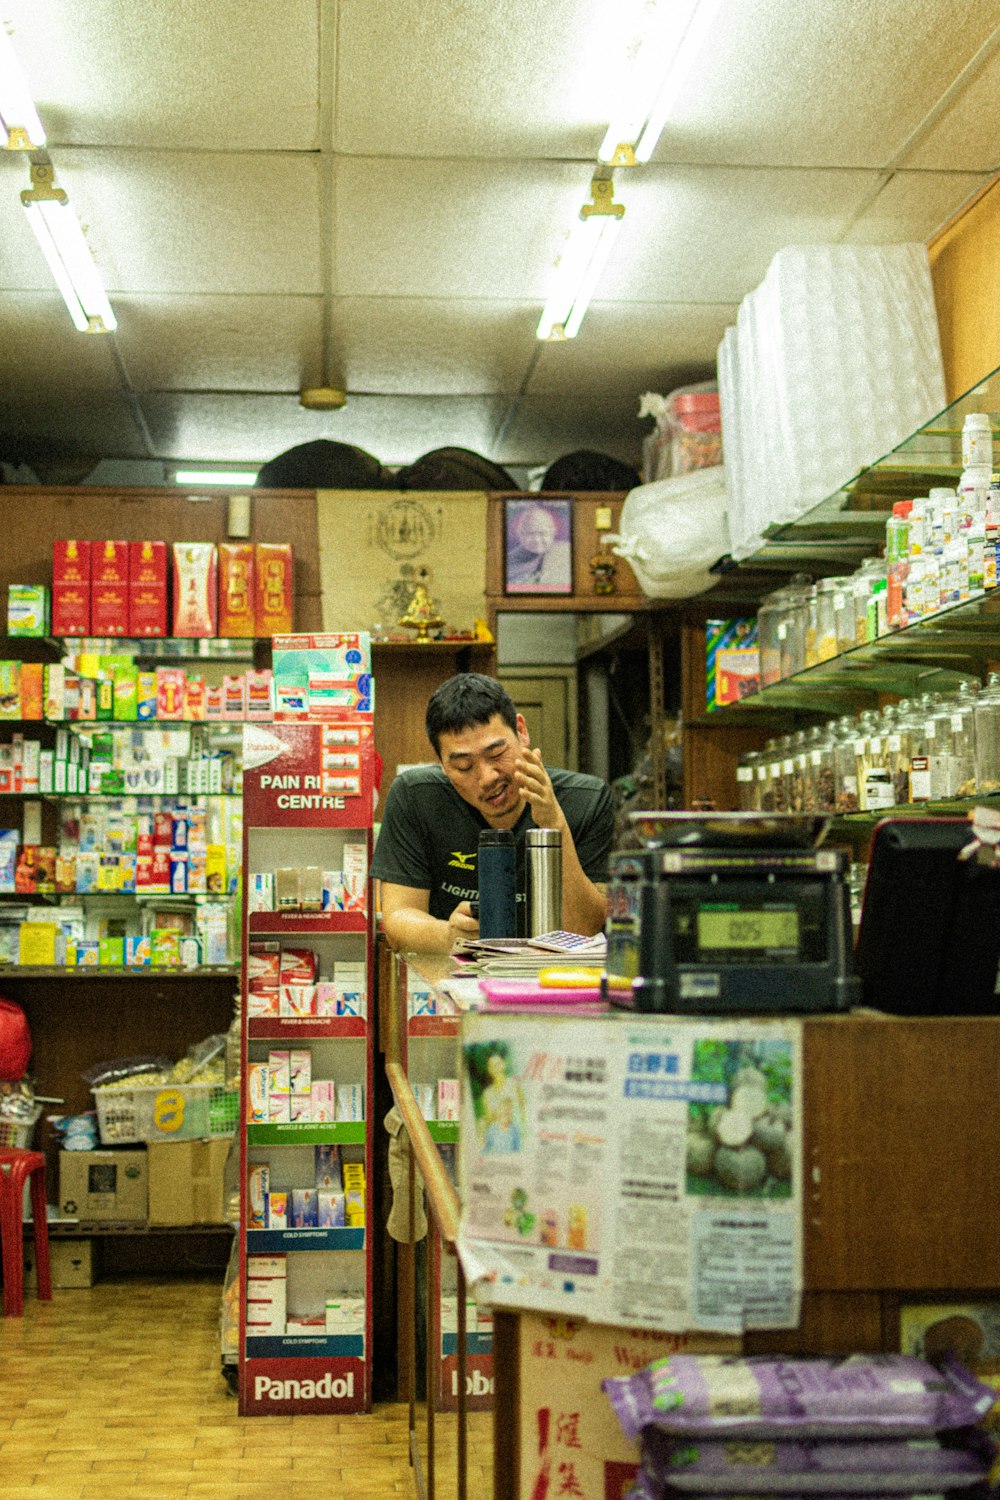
column 660, row 67
column 215, row 476
column 62, row 242
column 578, row 269
column 18, row 116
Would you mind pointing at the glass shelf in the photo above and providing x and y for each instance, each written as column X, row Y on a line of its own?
column 935, row 654
column 850, row 523
column 167, row 648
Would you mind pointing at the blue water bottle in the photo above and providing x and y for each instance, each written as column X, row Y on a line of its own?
column 497, row 884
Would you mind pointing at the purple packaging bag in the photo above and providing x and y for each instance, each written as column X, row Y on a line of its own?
column 896, row 1466
column 864, row 1395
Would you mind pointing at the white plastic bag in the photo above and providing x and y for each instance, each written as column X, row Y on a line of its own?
column 672, row 531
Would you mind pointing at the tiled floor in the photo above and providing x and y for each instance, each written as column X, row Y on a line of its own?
column 117, row 1391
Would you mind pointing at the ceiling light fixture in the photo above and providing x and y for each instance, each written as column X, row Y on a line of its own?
column 62, row 241
column 661, row 65
column 215, row 476
column 322, row 398
column 579, row 267
column 18, row 117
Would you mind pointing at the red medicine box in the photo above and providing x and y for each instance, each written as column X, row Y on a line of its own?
column 147, row 597
column 109, row 588
column 274, row 588
column 70, row 587
column 236, row 589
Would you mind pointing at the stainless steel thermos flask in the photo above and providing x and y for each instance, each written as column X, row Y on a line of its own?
column 544, row 860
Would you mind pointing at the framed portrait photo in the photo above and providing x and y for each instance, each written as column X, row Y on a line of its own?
column 538, row 546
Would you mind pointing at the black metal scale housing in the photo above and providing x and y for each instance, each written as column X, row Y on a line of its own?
column 729, row 930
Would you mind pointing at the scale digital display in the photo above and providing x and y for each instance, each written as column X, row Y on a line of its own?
column 747, row 929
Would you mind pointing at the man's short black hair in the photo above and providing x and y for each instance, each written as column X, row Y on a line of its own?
column 464, row 700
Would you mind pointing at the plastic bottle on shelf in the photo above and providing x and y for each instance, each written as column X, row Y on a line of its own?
column 977, row 440
column 975, row 537
column 932, row 581
column 974, row 489
column 897, row 562
column 955, row 572
column 992, row 536
column 913, row 592
column 917, row 528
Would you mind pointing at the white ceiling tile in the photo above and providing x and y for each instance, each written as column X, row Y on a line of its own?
column 708, row 234
column 468, row 229
column 223, row 75
column 634, row 347
column 83, row 422
column 163, row 221
column 432, row 346
column 967, row 134
column 547, row 428
column 526, row 78
column 193, row 343
column 43, row 356
column 253, row 429
column 911, row 206
column 832, row 83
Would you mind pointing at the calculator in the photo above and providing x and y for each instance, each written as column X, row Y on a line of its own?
column 567, row 942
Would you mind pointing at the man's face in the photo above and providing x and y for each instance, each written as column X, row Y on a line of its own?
column 536, row 531
column 479, row 763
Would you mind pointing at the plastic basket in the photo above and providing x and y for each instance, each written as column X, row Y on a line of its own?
column 18, row 1133
column 223, row 1111
column 153, row 1112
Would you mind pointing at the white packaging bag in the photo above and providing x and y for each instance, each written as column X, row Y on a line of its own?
column 672, row 531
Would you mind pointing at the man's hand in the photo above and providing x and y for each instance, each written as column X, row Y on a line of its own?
column 536, row 788
column 462, row 925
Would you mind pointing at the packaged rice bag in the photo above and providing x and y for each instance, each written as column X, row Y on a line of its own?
column 862, row 1395
column 892, row 1466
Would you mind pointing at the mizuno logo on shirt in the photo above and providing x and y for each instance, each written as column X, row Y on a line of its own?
column 462, row 861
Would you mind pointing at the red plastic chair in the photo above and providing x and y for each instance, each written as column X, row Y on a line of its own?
column 16, row 1167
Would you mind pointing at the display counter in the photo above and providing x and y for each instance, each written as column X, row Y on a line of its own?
column 899, row 1139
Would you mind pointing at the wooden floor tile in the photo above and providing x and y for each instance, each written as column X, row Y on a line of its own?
column 116, row 1394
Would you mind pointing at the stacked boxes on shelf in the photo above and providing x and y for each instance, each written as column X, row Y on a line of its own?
column 119, row 588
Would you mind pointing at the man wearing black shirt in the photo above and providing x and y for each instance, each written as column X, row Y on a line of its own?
column 487, row 776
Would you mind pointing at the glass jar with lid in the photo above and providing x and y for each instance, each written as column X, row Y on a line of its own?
column 963, row 740
column 922, row 735
column 987, row 720
column 865, row 727
column 765, row 775
column 813, row 767
column 938, row 731
column 823, row 613
column 845, row 768
column 747, row 786
column 795, row 773
column 898, row 742
column 844, row 612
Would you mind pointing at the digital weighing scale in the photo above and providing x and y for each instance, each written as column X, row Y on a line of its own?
column 730, row 913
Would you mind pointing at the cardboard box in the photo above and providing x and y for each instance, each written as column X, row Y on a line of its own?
column 185, row 1181
column 70, row 561
column 71, row 1263
column 147, row 598
column 109, row 562
column 109, row 1185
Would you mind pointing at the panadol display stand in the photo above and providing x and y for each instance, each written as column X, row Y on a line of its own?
column 306, row 1325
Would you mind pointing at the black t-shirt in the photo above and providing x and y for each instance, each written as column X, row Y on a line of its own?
column 430, row 835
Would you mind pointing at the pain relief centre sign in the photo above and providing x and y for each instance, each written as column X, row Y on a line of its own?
column 308, row 775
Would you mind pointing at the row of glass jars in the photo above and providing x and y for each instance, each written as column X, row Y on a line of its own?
column 927, row 748
column 804, row 624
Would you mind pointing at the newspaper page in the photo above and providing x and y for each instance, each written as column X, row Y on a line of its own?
column 634, row 1171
